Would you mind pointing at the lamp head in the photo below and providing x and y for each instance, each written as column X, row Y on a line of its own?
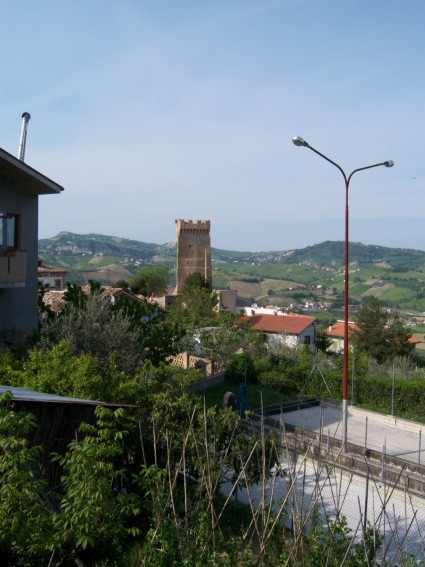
column 299, row 141
column 389, row 163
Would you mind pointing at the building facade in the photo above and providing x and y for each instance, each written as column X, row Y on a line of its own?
column 20, row 187
column 193, row 250
column 51, row 277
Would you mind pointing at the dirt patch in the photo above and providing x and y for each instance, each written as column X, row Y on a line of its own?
column 96, row 260
column 245, row 289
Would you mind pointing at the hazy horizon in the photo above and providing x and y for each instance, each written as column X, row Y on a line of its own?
column 272, row 249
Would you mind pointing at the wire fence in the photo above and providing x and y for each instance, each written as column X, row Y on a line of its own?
column 299, row 488
column 366, row 430
column 380, row 480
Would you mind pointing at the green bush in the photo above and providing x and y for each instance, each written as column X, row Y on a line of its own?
column 10, row 369
column 240, row 368
column 376, row 392
column 271, row 379
column 263, row 365
column 318, row 384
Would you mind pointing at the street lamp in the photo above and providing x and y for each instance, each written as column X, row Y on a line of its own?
column 300, row 142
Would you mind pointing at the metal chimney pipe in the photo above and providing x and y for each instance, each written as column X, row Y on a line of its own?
column 23, row 140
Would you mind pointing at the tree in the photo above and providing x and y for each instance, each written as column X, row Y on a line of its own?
column 159, row 337
column 58, row 371
column 151, row 281
column 373, row 338
column 75, row 296
column 323, row 341
column 123, row 284
column 90, row 519
column 90, row 326
column 195, row 308
column 96, row 517
column 229, row 336
column 44, row 311
column 397, row 339
column 25, row 517
column 122, row 333
column 240, row 368
column 370, row 321
column 196, row 280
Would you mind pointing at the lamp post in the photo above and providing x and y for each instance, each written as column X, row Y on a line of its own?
column 300, row 142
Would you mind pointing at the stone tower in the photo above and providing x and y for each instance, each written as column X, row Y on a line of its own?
column 193, row 250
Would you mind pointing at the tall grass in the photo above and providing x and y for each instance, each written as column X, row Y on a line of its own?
column 265, row 503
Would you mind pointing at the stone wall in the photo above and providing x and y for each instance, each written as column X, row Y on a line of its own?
column 186, row 360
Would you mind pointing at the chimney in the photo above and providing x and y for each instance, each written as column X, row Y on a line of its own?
column 22, row 142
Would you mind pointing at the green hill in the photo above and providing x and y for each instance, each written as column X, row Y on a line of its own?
column 315, row 273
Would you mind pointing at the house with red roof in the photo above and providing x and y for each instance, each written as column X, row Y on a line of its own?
column 336, row 332
column 290, row 329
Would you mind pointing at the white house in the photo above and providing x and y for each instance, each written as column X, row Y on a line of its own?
column 290, row 329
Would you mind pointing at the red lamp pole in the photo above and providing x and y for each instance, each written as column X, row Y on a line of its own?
column 300, row 142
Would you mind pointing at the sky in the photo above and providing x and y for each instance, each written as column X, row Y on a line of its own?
column 148, row 111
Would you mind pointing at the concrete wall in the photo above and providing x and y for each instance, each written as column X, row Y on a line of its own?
column 206, row 383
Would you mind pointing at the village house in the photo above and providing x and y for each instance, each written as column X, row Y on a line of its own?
column 282, row 328
column 51, row 277
column 336, row 332
column 20, row 188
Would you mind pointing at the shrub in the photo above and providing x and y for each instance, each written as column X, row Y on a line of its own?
column 271, row 379
column 241, row 368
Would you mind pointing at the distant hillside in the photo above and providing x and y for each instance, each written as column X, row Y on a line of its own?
column 68, row 243
column 101, row 257
column 331, row 253
column 315, row 273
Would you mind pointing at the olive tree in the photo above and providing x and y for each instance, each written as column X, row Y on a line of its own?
column 92, row 327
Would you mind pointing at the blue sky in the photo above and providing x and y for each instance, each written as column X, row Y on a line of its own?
column 149, row 111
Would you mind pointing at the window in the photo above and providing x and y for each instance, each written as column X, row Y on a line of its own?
column 9, row 231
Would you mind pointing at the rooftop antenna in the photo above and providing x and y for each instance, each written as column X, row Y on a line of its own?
column 23, row 140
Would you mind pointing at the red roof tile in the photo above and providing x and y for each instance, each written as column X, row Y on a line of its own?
column 291, row 324
column 337, row 329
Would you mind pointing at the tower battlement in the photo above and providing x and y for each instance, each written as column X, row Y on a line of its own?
column 200, row 226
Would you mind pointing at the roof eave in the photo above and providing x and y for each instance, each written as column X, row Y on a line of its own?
column 25, row 177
